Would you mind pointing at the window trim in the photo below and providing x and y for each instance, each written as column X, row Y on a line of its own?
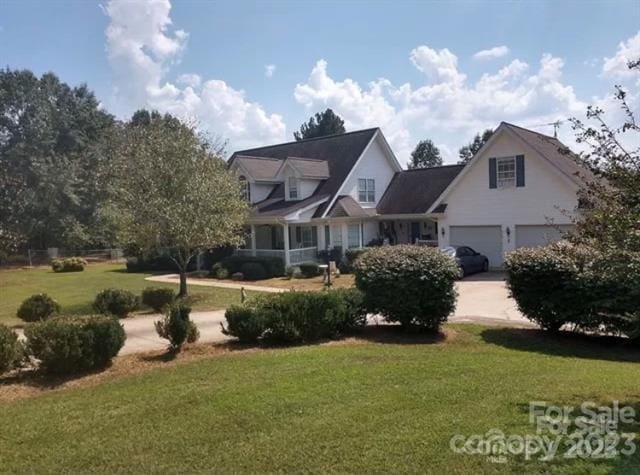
column 506, row 182
column 368, row 191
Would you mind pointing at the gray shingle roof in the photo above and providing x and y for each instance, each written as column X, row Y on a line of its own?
column 552, row 149
column 310, row 168
column 260, row 168
column 414, row 191
column 346, row 206
column 339, row 151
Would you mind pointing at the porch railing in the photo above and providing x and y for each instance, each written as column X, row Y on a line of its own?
column 296, row 256
column 305, row 254
column 427, row 242
column 261, row 252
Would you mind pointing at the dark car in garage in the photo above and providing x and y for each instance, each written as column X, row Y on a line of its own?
column 467, row 259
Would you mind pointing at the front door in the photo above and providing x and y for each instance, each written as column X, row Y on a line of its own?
column 415, row 232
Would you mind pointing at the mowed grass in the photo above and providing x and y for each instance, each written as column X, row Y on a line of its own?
column 376, row 405
column 75, row 291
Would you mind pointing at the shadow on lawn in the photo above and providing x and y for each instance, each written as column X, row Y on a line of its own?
column 569, row 344
column 42, row 380
column 395, row 334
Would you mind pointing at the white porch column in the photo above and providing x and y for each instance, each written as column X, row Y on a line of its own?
column 287, row 258
column 253, row 240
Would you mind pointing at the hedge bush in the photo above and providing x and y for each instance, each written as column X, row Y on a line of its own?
column 309, row 269
column 219, row 272
column 116, row 302
column 293, row 317
column 65, row 345
column 253, row 271
column 68, row 264
column 350, row 256
column 333, row 254
column 274, row 266
column 176, row 326
column 158, row 297
column 11, row 349
column 38, row 307
column 411, row 285
column 562, row 284
column 244, row 322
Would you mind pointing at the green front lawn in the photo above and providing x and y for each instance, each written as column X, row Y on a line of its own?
column 367, row 406
column 75, row 291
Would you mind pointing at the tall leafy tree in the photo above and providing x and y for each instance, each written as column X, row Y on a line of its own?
column 53, row 141
column 425, row 155
column 323, row 123
column 467, row 152
column 172, row 190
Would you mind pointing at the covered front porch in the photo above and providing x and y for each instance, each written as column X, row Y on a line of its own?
column 293, row 243
column 419, row 230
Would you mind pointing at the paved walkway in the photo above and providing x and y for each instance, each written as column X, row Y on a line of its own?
column 175, row 279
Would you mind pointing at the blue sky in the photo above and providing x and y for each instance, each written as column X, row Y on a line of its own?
column 412, row 68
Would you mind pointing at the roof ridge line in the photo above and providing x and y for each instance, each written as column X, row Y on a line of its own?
column 324, row 137
column 433, row 168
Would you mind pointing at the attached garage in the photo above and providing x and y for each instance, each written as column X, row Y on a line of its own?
column 539, row 235
column 486, row 240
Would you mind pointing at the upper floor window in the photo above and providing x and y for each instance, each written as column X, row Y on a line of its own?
column 366, row 190
column 506, row 172
column 245, row 188
column 293, row 188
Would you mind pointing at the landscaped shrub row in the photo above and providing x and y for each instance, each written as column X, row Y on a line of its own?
column 11, row 349
column 297, row 316
column 38, row 307
column 158, row 297
column 411, row 285
column 177, row 327
column 350, row 256
column 116, row 302
column 66, row 345
column 252, row 268
column 68, row 264
column 564, row 284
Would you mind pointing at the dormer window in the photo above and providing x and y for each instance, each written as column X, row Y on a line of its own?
column 245, row 188
column 293, row 187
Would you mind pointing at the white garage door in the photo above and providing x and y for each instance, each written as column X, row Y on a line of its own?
column 486, row 240
column 532, row 236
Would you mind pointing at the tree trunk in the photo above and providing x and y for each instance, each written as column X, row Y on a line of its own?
column 183, row 283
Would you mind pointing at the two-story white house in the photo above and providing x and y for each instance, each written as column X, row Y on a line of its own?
column 349, row 190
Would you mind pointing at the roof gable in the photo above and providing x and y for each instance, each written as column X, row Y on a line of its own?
column 340, row 152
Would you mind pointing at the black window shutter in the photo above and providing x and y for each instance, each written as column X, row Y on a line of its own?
column 520, row 170
column 492, row 173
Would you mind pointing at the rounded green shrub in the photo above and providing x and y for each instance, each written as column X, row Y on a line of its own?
column 244, row 322
column 68, row 264
column 158, row 297
column 563, row 283
column 411, row 285
column 116, row 302
column 218, row 271
column 11, row 349
column 176, row 326
column 309, row 269
column 38, row 307
column 253, row 271
column 66, row 345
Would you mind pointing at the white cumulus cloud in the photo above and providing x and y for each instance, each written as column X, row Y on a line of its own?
column 446, row 108
column 269, row 70
column 142, row 47
column 617, row 65
column 492, row 53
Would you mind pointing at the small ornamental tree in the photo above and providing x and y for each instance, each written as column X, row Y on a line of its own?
column 174, row 191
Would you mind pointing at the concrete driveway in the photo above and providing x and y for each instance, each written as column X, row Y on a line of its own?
column 484, row 298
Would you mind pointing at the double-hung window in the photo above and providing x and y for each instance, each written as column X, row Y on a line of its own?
column 245, row 188
column 293, row 188
column 506, row 172
column 366, row 190
column 353, row 236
